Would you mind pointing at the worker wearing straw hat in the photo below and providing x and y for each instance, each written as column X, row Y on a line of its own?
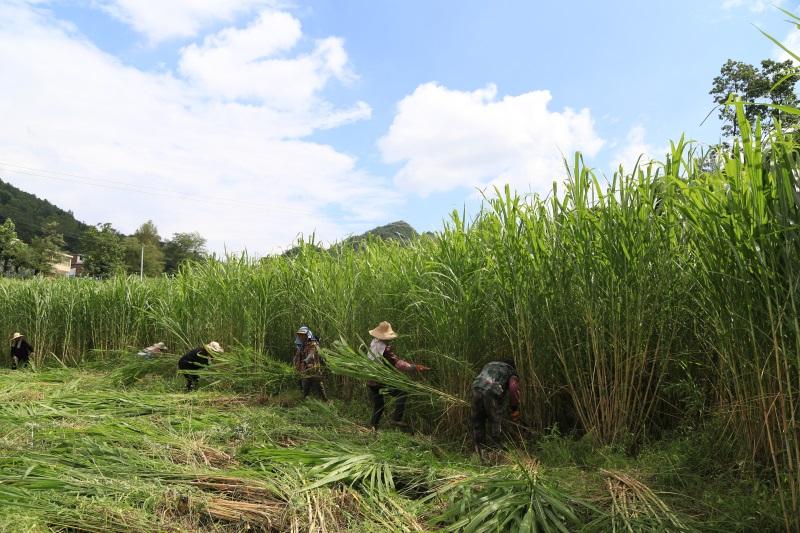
column 151, row 351
column 195, row 360
column 381, row 350
column 308, row 363
column 21, row 351
column 496, row 380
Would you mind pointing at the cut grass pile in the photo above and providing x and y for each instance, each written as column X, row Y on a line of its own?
column 78, row 452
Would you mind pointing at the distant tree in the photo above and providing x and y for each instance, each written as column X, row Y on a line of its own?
column 103, row 250
column 13, row 251
column 184, row 247
column 148, row 233
column 44, row 251
column 755, row 85
column 145, row 244
column 779, row 80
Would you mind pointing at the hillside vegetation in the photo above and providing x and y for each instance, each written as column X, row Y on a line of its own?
column 31, row 216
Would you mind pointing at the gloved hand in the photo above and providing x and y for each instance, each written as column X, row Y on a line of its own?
column 422, row 368
column 516, row 415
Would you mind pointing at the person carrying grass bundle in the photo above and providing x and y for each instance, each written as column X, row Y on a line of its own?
column 496, row 380
column 381, row 350
column 196, row 360
column 308, row 363
column 21, row 351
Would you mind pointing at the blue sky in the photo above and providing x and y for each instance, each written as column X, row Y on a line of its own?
column 254, row 121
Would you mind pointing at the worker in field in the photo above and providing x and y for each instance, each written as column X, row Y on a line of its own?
column 308, row 363
column 151, row 351
column 380, row 349
column 195, row 360
column 497, row 381
column 302, row 334
column 21, row 351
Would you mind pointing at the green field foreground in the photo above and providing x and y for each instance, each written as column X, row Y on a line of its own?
column 78, row 452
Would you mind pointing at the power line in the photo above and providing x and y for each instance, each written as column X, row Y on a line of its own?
column 143, row 189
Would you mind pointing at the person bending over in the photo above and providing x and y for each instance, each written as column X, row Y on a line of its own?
column 21, row 351
column 496, row 381
column 195, row 360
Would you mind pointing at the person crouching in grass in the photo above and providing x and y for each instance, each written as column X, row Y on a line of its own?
column 21, row 351
column 196, row 360
column 152, row 351
column 497, row 381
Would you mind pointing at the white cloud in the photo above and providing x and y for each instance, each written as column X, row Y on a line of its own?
column 636, row 148
column 243, row 63
column 68, row 106
column 160, row 20
column 792, row 42
column 756, row 6
column 448, row 139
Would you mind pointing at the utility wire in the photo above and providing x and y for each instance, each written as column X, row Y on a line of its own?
column 143, row 189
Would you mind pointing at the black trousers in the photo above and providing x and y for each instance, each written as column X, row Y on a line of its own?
column 378, row 404
column 192, row 381
column 314, row 385
column 18, row 362
column 486, row 408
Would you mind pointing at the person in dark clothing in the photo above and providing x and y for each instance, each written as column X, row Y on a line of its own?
column 308, row 363
column 195, row 360
column 381, row 350
column 302, row 337
column 496, row 381
column 21, row 351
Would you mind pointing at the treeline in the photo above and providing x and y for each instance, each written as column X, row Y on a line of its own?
column 36, row 257
column 35, row 233
column 106, row 252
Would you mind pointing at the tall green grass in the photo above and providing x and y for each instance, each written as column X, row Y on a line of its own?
column 665, row 297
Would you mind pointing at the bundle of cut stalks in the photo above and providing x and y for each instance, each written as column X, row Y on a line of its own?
column 343, row 360
column 134, row 367
column 635, row 507
column 520, row 498
column 262, row 514
column 246, row 370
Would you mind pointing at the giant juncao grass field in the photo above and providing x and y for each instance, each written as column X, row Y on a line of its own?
column 654, row 320
column 82, row 454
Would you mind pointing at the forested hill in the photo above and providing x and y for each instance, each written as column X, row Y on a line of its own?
column 399, row 230
column 30, row 215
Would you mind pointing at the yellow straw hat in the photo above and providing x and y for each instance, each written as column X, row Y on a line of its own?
column 383, row 332
column 16, row 336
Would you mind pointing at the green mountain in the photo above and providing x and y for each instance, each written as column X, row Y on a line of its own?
column 30, row 215
column 399, row 230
